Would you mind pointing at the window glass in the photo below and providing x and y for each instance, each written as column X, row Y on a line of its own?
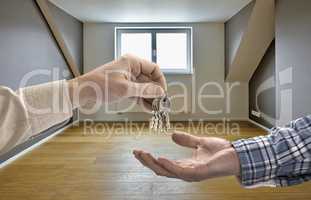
column 172, row 50
column 138, row 44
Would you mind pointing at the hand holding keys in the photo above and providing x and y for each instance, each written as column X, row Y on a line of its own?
column 161, row 108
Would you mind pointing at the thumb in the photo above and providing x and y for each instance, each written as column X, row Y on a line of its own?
column 186, row 140
column 145, row 90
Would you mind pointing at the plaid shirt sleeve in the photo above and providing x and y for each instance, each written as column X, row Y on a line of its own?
column 282, row 158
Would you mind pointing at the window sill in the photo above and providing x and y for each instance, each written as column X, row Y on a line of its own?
column 177, row 72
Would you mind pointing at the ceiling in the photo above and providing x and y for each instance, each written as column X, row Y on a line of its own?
column 131, row 11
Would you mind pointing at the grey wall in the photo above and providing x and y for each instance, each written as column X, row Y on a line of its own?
column 27, row 45
column 293, row 53
column 208, row 63
column 291, row 97
column 262, row 90
column 234, row 29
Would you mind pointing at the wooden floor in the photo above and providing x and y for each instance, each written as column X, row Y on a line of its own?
column 83, row 164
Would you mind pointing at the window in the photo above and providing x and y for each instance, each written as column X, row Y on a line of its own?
column 170, row 48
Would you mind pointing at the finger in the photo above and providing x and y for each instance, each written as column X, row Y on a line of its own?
column 214, row 144
column 185, row 173
column 174, row 168
column 147, row 162
column 143, row 78
column 141, row 66
column 188, row 162
column 147, row 107
column 185, row 140
column 144, row 90
column 138, row 157
column 154, row 166
column 151, row 163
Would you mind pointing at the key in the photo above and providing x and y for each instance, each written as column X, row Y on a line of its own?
column 160, row 119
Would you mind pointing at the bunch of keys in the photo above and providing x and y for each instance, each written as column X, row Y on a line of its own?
column 160, row 109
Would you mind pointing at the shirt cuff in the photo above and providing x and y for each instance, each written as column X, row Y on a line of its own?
column 257, row 162
column 46, row 104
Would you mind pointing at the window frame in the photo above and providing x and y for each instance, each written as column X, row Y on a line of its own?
column 154, row 31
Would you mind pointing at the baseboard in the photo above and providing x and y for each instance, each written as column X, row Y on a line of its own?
column 259, row 125
column 20, row 154
column 172, row 121
column 145, row 119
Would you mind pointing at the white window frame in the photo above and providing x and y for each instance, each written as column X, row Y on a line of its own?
column 153, row 31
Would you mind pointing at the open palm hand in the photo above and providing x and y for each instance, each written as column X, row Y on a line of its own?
column 212, row 157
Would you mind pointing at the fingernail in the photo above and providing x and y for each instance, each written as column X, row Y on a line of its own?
column 135, row 152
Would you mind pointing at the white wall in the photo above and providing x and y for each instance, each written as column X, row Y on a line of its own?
column 208, row 60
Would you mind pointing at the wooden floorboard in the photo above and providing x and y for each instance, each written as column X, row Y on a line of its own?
column 77, row 165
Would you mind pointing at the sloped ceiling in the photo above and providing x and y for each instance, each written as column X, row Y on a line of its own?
column 255, row 40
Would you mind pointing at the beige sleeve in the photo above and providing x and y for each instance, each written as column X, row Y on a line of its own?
column 31, row 110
